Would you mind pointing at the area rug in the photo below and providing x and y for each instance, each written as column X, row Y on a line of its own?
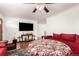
column 19, row 52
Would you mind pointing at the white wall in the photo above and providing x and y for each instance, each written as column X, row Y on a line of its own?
column 65, row 22
column 41, row 29
column 11, row 27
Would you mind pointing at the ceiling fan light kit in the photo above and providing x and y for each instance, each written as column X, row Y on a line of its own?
column 40, row 7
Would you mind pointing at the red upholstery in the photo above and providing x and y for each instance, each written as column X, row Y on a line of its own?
column 3, row 49
column 3, row 52
column 77, row 39
column 56, row 36
column 47, row 37
column 2, row 45
column 69, row 37
column 72, row 40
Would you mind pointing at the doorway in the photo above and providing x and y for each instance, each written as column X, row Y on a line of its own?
column 1, row 29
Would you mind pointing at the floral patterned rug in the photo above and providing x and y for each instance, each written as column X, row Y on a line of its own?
column 48, row 48
column 43, row 48
column 20, row 52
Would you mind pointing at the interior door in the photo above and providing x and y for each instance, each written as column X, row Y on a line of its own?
column 0, row 29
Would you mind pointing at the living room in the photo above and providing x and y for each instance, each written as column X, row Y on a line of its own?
column 62, row 18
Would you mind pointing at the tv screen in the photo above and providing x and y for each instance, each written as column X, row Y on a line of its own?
column 25, row 27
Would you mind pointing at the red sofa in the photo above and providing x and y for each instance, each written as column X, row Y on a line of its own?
column 72, row 40
column 3, row 49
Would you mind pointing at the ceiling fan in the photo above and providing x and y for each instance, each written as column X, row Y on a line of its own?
column 41, row 7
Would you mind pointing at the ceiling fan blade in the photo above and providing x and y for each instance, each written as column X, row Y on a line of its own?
column 29, row 3
column 49, row 3
column 46, row 9
column 34, row 10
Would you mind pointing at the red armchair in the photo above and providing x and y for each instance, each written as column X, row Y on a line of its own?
column 3, row 49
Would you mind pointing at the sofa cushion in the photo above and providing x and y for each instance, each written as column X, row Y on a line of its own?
column 4, row 41
column 69, row 37
column 56, row 36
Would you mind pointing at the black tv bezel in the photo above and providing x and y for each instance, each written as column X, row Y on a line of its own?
column 25, row 23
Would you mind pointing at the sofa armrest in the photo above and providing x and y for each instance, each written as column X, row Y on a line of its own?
column 3, row 51
column 77, row 41
column 2, row 45
column 47, row 37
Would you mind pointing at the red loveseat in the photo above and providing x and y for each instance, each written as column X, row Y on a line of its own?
column 3, row 49
column 72, row 40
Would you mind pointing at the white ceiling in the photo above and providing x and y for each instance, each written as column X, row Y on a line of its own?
column 25, row 10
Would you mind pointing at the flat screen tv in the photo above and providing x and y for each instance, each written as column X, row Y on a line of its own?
column 25, row 26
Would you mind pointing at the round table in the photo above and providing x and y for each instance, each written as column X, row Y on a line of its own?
column 45, row 47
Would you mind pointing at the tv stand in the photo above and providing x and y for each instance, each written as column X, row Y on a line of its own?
column 27, row 37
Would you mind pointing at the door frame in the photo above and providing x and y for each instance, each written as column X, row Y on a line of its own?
column 1, row 22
